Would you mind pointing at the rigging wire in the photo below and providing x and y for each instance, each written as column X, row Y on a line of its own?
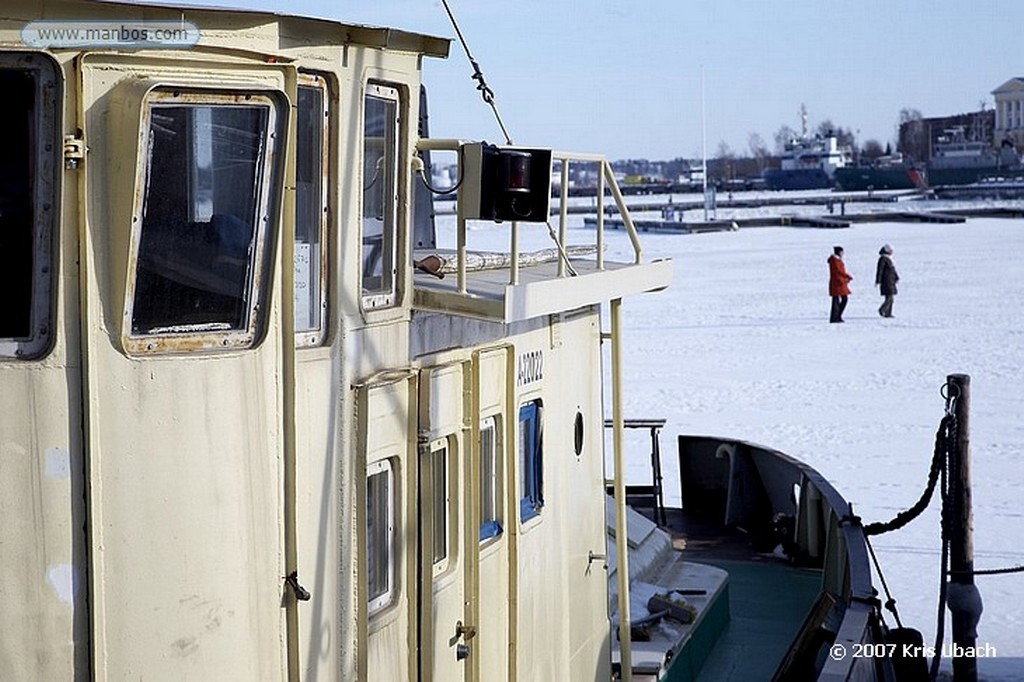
column 485, row 91
column 890, row 601
column 488, row 96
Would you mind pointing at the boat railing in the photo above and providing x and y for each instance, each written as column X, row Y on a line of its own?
column 606, row 184
column 749, row 484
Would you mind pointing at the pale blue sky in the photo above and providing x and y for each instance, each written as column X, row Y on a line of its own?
column 622, row 77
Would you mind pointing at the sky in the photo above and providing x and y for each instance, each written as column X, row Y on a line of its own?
column 623, row 78
column 739, row 345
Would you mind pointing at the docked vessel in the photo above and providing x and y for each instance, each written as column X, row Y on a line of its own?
column 958, row 160
column 257, row 424
column 808, row 162
column 891, row 171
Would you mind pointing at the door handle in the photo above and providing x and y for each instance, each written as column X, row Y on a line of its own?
column 463, row 632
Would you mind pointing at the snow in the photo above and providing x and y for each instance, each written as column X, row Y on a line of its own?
column 740, row 346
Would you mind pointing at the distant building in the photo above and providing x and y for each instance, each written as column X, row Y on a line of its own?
column 1010, row 112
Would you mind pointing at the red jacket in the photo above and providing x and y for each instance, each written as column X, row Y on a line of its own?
column 838, row 280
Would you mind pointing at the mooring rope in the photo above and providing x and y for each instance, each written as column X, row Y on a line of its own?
column 938, row 463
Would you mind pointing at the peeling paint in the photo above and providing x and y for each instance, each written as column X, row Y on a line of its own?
column 63, row 578
column 58, row 463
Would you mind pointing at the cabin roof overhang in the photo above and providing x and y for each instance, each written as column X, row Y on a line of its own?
column 540, row 290
column 369, row 36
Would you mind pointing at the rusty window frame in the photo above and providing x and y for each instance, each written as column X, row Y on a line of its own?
column 210, row 336
column 384, row 294
column 312, row 333
column 44, row 177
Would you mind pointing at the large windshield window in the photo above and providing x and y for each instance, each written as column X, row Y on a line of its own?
column 202, row 240
column 28, row 165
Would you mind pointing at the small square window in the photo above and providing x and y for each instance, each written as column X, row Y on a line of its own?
column 490, row 483
column 531, row 461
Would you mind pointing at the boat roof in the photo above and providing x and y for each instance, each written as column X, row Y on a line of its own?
column 366, row 34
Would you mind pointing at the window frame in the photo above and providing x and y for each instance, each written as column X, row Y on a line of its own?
column 382, row 600
column 441, row 501
column 306, row 337
column 531, row 460
column 387, row 296
column 490, row 480
column 186, row 338
column 45, row 201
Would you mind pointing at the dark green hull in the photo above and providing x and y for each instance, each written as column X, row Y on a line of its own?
column 940, row 177
column 861, row 179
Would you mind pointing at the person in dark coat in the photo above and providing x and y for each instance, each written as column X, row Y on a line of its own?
column 885, row 279
column 838, row 284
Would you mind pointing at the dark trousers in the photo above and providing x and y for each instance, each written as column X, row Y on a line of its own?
column 838, row 306
column 885, row 310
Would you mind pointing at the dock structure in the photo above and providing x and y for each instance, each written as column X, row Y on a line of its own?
column 673, row 226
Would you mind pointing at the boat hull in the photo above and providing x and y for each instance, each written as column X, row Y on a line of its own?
column 856, row 179
column 792, row 179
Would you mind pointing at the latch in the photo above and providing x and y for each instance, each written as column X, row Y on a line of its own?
column 301, row 593
column 74, row 151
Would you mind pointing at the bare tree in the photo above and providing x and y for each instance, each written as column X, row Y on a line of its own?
column 844, row 137
column 784, row 136
column 758, row 151
column 872, row 150
column 912, row 139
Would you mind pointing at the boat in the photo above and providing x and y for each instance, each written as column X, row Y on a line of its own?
column 808, row 162
column 958, row 159
column 257, row 424
column 890, row 171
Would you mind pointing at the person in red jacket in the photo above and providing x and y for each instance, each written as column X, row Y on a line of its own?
column 838, row 284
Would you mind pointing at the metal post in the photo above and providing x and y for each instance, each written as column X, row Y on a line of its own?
column 621, row 541
column 964, row 599
column 563, row 215
column 600, row 215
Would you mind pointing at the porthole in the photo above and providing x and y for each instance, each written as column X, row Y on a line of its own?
column 578, row 428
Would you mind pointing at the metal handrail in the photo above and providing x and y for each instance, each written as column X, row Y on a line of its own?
column 606, row 178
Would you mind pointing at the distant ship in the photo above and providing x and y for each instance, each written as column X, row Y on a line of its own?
column 890, row 171
column 808, row 162
column 956, row 160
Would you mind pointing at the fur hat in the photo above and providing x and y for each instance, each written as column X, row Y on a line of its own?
column 886, row 250
column 838, row 250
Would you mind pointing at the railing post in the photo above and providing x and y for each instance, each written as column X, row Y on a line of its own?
column 627, row 220
column 564, row 214
column 964, row 599
column 621, row 539
column 514, row 248
column 600, row 214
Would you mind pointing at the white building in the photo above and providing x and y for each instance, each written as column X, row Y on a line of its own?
column 1010, row 112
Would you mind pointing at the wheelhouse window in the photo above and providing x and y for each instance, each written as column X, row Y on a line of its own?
column 29, row 162
column 380, row 196
column 531, row 461
column 380, row 535
column 201, row 241
column 441, row 501
column 490, row 485
column 311, row 211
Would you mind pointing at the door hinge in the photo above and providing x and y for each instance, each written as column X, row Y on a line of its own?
column 74, row 151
